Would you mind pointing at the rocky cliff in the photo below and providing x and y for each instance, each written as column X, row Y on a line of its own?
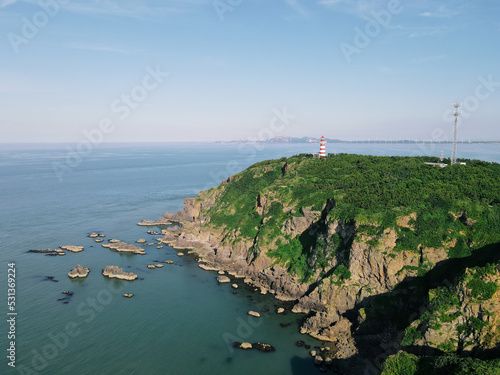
column 342, row 236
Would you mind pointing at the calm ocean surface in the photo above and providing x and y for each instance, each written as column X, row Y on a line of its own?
column 180, row 320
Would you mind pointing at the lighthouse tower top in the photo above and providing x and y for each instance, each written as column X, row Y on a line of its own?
column 322, row 148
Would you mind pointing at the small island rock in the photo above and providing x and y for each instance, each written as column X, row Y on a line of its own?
column 254, row 314
column 73, row 249
column 78, row 272
column 117, row 273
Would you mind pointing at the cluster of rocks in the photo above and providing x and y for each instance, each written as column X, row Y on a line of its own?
column 78, row 272
column 67, row 296
column 114, row 272
column 124, row 247
column 258, row 346
column 95, row 235
column 322, row 357
column 128, row 295
column 49, row 252
column 153, row 266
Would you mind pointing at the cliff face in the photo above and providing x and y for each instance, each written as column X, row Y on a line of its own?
column 334, row 234
column 463, row 317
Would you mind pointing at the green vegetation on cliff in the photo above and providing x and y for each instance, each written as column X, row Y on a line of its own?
column 457, row 207
column 408, row 364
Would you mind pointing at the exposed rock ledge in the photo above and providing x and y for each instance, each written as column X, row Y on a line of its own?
column 73, row 249
column 79, row 272
column 114, row 272
column 150, row 223
column 124, row 247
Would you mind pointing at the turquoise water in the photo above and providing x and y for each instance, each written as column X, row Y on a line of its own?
column 180, row 321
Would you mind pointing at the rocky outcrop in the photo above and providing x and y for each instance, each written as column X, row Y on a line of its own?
column 124, row 247
column 223, row 279
column 78, row 272
column 464, row 317
column 191, row 212
column 257, row 346
column 73, row 249
column 114, row 272
column 51, row 252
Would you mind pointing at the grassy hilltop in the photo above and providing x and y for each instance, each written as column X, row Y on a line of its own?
column 369, row 191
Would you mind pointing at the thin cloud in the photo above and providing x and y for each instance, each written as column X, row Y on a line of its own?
column 297, row 7
column 430, row 31
column 332, row 2
column 427, row 59
column 441, row 12
column 98, row 48
column 125, row 8
column 7, row 2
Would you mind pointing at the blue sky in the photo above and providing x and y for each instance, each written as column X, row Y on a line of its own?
column 232, row 64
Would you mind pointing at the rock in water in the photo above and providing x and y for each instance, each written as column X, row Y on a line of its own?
column 73, row 249
column 124, row 247
column 117, row 273
column 254, row 313
column 281, row 310
column 78, row 271
column 141, row 240
column 128, row 295
column 223, row 279
column 245, row 346
column 263, row 347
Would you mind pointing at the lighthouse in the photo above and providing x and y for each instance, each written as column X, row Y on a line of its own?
column 322, row 148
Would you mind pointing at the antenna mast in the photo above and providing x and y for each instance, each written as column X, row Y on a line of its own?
column 457, row 112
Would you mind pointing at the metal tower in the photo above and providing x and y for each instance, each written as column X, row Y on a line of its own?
column 457, row 112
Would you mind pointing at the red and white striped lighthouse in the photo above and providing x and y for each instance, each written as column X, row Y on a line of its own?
column 322, row 148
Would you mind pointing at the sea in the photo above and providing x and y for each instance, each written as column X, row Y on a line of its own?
column 180, row 320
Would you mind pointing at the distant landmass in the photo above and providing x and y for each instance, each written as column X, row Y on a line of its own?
column 283, row 139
